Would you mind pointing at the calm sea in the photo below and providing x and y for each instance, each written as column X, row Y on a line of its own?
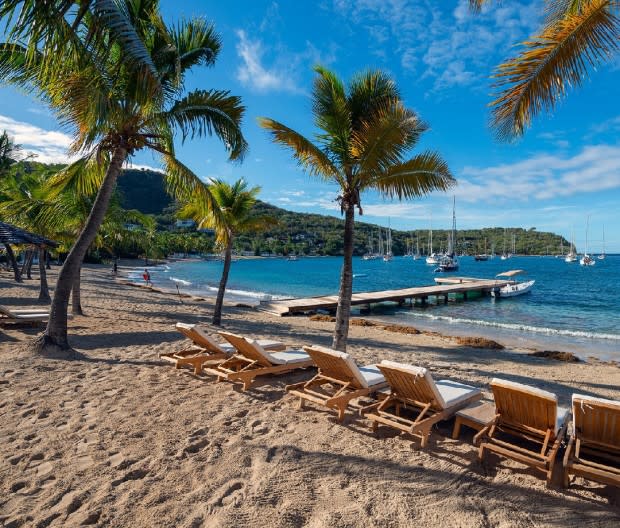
column 570, row 308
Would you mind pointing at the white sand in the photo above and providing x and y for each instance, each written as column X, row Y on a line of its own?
column 119, row 438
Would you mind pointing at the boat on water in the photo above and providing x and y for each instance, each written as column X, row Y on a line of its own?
column 571, row 256
column 602, row 255
column 505, row 256
column 371, row 255
column 416, row 255
column 292, row 258
column 587, row 260
column 388, row 248
column 514, row 289
column 482, row 256
column 449, row 261
column 432, row 258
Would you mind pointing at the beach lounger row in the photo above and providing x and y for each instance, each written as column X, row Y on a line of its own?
column 526, row 424
column 23, row 315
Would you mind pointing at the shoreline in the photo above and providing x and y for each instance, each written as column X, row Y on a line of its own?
column 599, row 349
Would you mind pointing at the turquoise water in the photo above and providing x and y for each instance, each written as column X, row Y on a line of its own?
column 570, row 308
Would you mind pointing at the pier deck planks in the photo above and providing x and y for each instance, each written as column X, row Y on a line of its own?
column 330, row 302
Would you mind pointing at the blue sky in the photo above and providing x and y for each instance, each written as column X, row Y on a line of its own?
column 565, row 168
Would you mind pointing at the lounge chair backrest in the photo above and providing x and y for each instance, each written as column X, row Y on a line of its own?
column 6, row 311
column 199, row 337
column 248, row 348
column 337, row 365
column 596, row 420
column 412, row 383
column 524, row 406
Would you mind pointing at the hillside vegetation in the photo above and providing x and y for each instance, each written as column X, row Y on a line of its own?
column 306, row 233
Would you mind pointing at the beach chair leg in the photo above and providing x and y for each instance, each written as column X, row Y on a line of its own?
column 481, row 453
column 341, row 411
column 457, row 428
column 426, row 433
column 300, row 404
column 374, row 426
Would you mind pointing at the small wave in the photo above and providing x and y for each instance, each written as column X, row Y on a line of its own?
column 248, row 294
column 521, row 327
column 356, row 275
column 181, row 281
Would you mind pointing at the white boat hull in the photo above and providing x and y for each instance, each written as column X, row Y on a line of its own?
column 512, row 290
column 587, row 260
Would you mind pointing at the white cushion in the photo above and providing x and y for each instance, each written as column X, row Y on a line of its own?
column 372, row 375
column 418, row 371
column 288, row 357
column 454, row 392
column 524, row 388
column 593, row 399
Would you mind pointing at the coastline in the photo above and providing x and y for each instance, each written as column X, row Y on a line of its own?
column 120, row 438
column 513, row 336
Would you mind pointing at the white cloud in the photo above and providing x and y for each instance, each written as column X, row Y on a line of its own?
column 253, row 74
column 595, row 168
column 452, row 47
column 48, row 146
column 138, row 166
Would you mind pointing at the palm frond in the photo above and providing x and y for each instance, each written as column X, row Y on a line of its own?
column 422, row 174
column 369, row 92
column 559, row 58
column 310, row 157
column 203, row 112
column 557, row 9
column 331, row 112
column 384, row 136
column 196, row 43
column 113, row 17
column 82, row 177
column 476, row 5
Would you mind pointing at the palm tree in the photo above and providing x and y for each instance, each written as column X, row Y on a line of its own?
column 577, row 36
column 365, row 132
column 235, row 204
column 118, row 106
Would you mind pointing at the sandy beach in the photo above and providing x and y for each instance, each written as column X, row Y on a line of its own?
column 120, row 438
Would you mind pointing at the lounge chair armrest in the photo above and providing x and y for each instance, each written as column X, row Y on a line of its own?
column 484, row 431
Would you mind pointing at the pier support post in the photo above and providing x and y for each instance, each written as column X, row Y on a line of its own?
column 424, row 300
column 365, row 309
column 464, row 295
column 445, row 299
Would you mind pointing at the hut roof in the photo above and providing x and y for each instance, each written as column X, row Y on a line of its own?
column 10, row 234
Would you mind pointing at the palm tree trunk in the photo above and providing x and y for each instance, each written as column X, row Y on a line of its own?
column 13, row 261
column 29, row 264
column 76, row 294
column 54, row 339
column 219, row 302
column 47, row 260
column 343, row 312
column 44, row 292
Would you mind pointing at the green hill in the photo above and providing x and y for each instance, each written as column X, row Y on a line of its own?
column 307, row 233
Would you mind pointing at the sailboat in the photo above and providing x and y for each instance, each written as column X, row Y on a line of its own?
column 587, row 260
column 370, row 255
column 432, row 257
column 571, row 256
column 388, row 243
column 449, row 262
column 504, row 254
column 602, row 255
column 482, row 256
column 416, row 255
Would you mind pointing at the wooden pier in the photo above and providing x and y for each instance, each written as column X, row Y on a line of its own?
column 445, row 287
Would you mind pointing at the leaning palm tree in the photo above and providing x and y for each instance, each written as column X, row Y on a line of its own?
column 118, row 106
column 365, row 132
column 577, row 36
column 232, row 216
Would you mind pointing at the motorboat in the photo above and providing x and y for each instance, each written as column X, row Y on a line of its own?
column 513, row 289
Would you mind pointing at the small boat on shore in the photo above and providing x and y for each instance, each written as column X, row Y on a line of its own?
column 514, row 289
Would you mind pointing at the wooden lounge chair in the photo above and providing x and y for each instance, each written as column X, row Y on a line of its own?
column 252, row 360
column 32, row 316
column 416, row 402
column 594, row 447
column 338, row 382
column 528, row 426
column 204, row 348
